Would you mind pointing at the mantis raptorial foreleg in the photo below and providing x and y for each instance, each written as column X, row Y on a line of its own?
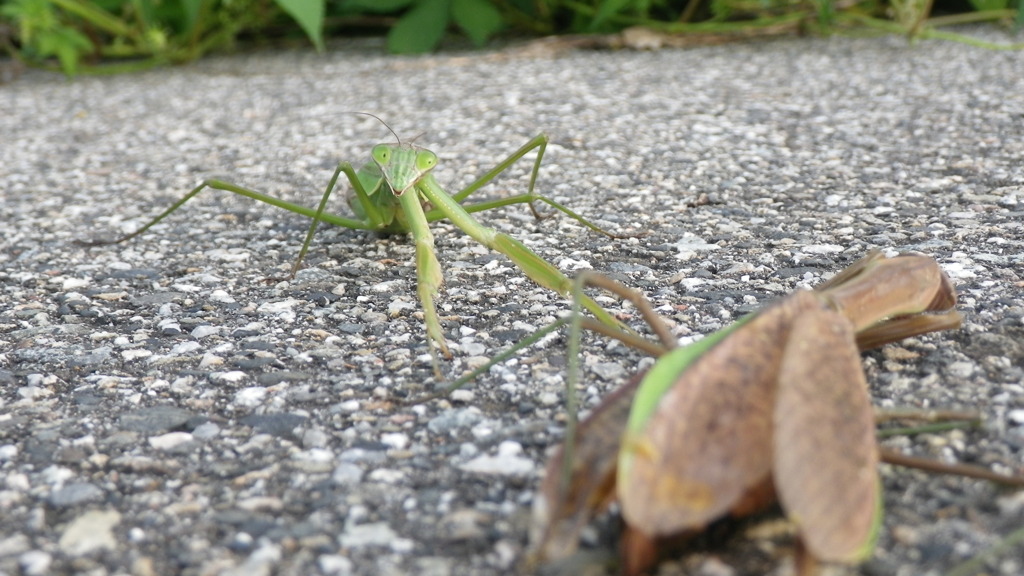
column 396, row 192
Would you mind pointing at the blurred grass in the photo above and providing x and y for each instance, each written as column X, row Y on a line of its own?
column 111, row 36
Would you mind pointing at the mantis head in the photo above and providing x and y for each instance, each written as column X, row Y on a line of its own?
column 403, row 165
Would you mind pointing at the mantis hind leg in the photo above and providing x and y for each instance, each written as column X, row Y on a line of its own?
column 213, row 184
column 373, row 219
column 529, row 199
column 540, row 143
column 317, row 215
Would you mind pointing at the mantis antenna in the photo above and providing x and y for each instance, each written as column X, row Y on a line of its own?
column 378, row 118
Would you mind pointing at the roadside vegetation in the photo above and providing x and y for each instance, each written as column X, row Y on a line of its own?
column 110, row 36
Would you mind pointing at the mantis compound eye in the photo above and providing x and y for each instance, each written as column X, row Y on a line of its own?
column 425, row 160
column 381, row 153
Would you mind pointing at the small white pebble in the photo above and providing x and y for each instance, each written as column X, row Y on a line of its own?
column 510, row 448
column 169, row 440
column 135, row 354
column 277, row 307
column 822, row 249
column 210, row 360
column 549, row 399
column 463, row 395
column 961, row 369
column 387, row 476
column 221, row 296
column 33, row 393
column 335, row 565
column 204, row 331
column 74, row 283
column 185, row 348
column 397, row 440
column 8, row 452
column 17, row 482
column 206, row 431
column 35, row 562
column 1015, row 416
column 231, row 377
column 402, row 545
column 250, row 397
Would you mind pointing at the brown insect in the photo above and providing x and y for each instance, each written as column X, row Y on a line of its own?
column 772, row 408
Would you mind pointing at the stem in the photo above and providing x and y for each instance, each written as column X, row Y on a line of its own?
column 928, row 429
column 689, row 11
column 746, row 26
column 929, row 32
column 976, row 565
column 97, row 16
column 918, row 26
column 969, row 17
column 890, row 414
column 970, row 41
column 929, row 465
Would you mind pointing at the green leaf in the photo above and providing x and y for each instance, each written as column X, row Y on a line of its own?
column 420, row 29
column 34, row 17
column 192, row 8
column 67, row 44
column 986, row 5
column 375, row 6
column 310, row 16
column 146, row 11
column 479, row 19
column 606, row 10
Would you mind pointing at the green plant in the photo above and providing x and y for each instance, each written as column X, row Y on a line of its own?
column 44, row 34
column 146, row 32
column 986, row 5
column 142, row 33
column 423, row 23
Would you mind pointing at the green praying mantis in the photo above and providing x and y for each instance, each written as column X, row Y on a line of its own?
column 396, row 193
column 774, row 407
